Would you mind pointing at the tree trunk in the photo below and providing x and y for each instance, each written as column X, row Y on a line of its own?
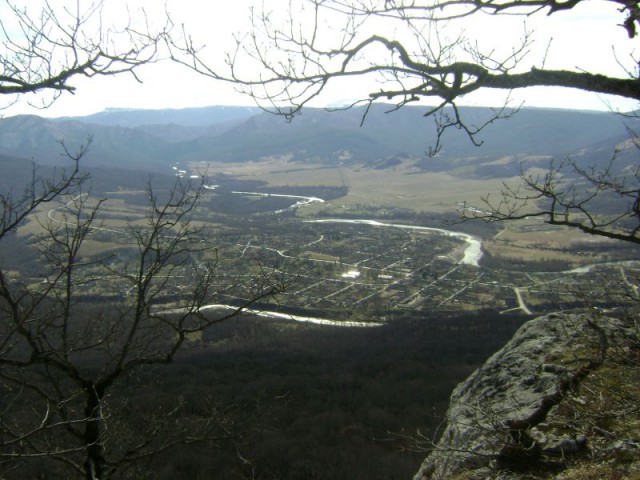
column 95, row 462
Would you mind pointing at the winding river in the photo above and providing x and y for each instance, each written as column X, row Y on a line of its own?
column 472, row 254
column 286, row 316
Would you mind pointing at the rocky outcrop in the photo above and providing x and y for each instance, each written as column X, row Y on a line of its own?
column 535, row 407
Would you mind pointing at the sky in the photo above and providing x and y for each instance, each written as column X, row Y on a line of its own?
column 585, row 38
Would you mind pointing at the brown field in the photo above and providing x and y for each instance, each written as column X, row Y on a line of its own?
column 531, row 254
column 533, row 240
column 401, row 187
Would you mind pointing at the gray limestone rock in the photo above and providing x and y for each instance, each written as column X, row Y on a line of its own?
column 511, row 388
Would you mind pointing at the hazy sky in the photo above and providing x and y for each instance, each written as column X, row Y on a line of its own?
column 582, row 39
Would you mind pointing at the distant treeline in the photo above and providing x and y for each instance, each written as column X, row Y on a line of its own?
column 324, row 192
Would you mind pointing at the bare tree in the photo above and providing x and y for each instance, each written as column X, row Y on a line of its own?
column 64, row 360
column 601, row 200
column 46, row 45
column 62, row 356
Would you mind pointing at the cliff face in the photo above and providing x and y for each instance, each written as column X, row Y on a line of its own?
column 560, row 400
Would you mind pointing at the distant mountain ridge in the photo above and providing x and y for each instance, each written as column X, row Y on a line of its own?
column 188, row 117
column 151, row 140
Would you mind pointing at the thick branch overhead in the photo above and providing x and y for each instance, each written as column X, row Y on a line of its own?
column 403, row 50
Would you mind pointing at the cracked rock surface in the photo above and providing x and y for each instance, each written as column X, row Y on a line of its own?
column 522, row 414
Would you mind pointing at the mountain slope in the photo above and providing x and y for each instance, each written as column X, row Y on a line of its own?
column 316, row 135
column 40, row 139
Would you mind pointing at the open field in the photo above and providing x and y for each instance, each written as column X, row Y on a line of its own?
column 532, row 240
column 403, row 186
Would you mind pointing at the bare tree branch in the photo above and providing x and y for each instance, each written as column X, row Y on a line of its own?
column 602, row 201
column 291, row 59
column 45, row 49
